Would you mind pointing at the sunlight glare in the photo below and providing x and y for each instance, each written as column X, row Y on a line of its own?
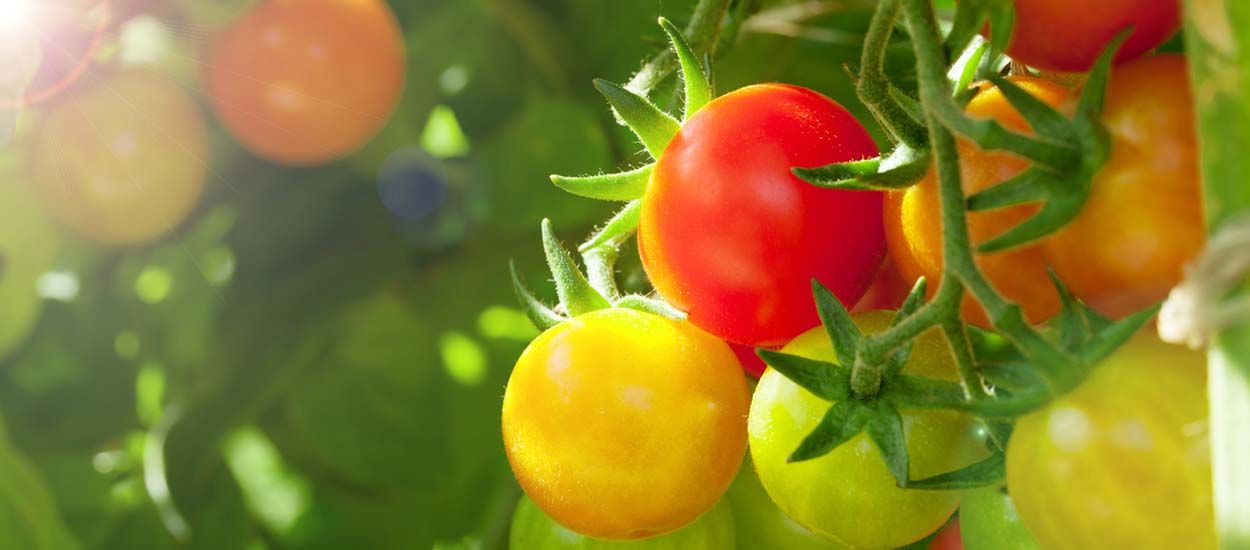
column 13, row 13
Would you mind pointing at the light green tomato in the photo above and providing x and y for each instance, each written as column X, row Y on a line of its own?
column 29, row 243
column 534, row 530
column 988, row 521
column 848, row 495
column 761, row 524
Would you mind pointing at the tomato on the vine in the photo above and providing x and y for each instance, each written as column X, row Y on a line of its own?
column 914, row 224
column 848, row 495
column 1068, row 35
column 534, row 530
column 761, row 524
column 730, row 236
column 989, row 521
column 307, row 82
column 1144, row 218
column 751, row 363
column 1124, row 461
column 622, row 424
column 949, row 538
column 124, row 161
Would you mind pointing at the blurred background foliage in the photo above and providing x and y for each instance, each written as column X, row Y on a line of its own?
column 315, row 357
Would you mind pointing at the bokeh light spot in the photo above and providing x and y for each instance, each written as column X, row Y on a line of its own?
column 411, row 184
column 443, row 136
column 502, row 322
column 463, row 358
column 126, row 344
column 154, row 284
column 58, row 285
column 273, row 492
column 454, row 79
column 149, row 393
column 218, row 263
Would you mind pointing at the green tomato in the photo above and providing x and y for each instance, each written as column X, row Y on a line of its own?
column 761, row 524
column 1124, row 461
column 28, row 248
column 534, row 530
column 848, row 495
column 988, row 521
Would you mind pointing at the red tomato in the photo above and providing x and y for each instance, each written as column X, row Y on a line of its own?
column 888, row 291
column 914, row 224
column 1144, row 219
column 1068, row 35
column 751, row 363
column 306, row 82
column 948, row 538
column 730, row 236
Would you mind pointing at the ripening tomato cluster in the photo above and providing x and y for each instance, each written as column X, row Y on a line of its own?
column 121, row 154
column 627, row 429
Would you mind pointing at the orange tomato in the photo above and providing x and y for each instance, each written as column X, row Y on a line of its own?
column 914, row 226
column 1144, row 220
column 305, row 82
column 123, row 161
column 623, row 425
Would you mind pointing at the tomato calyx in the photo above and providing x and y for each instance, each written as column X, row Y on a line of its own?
column 580, row 293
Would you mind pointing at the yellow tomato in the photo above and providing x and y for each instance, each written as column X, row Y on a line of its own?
column 622, row 425
column 124, row 161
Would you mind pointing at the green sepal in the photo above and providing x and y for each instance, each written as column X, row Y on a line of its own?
column 1065, row 197
column 972, row 15
column 989, row 471
column 965, row 70
column 542, row 316
column 885, row 429
column 1025, row 187
column 617, row 229
column 1014, row 376
column 698, row 89
column 1043, row 118
column 827, row 381
column 654, row 127
column 901, row 168
column 575, row 292
column 1111, row 337
column 838, row 324
column 1073, row 327
column 1011, row 406
column 991, row 347
column 895, row 363
column 1095, row 91
column 906, row 391
column 843, row 421
column 620, row 186
column 650, row 305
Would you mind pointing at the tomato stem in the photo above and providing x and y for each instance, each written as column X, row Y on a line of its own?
column 874, row 88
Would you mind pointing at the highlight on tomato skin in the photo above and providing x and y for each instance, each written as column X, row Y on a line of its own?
column 629, row 444
column 1068, row 35
column 123, row 161
column 722, row 195
column 307, row 82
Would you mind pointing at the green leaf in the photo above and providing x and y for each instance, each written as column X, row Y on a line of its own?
column 885, row 429
column 839, row 175
column 654, row 127
column 901, row 168
column 989, row 471
column 825, row 380
column 620, row 186
column 990, row 347
column 575, row 292
column 542, row 316
column 843, row 421
column 963, row 71
column 843, row 332
column 698, row 89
